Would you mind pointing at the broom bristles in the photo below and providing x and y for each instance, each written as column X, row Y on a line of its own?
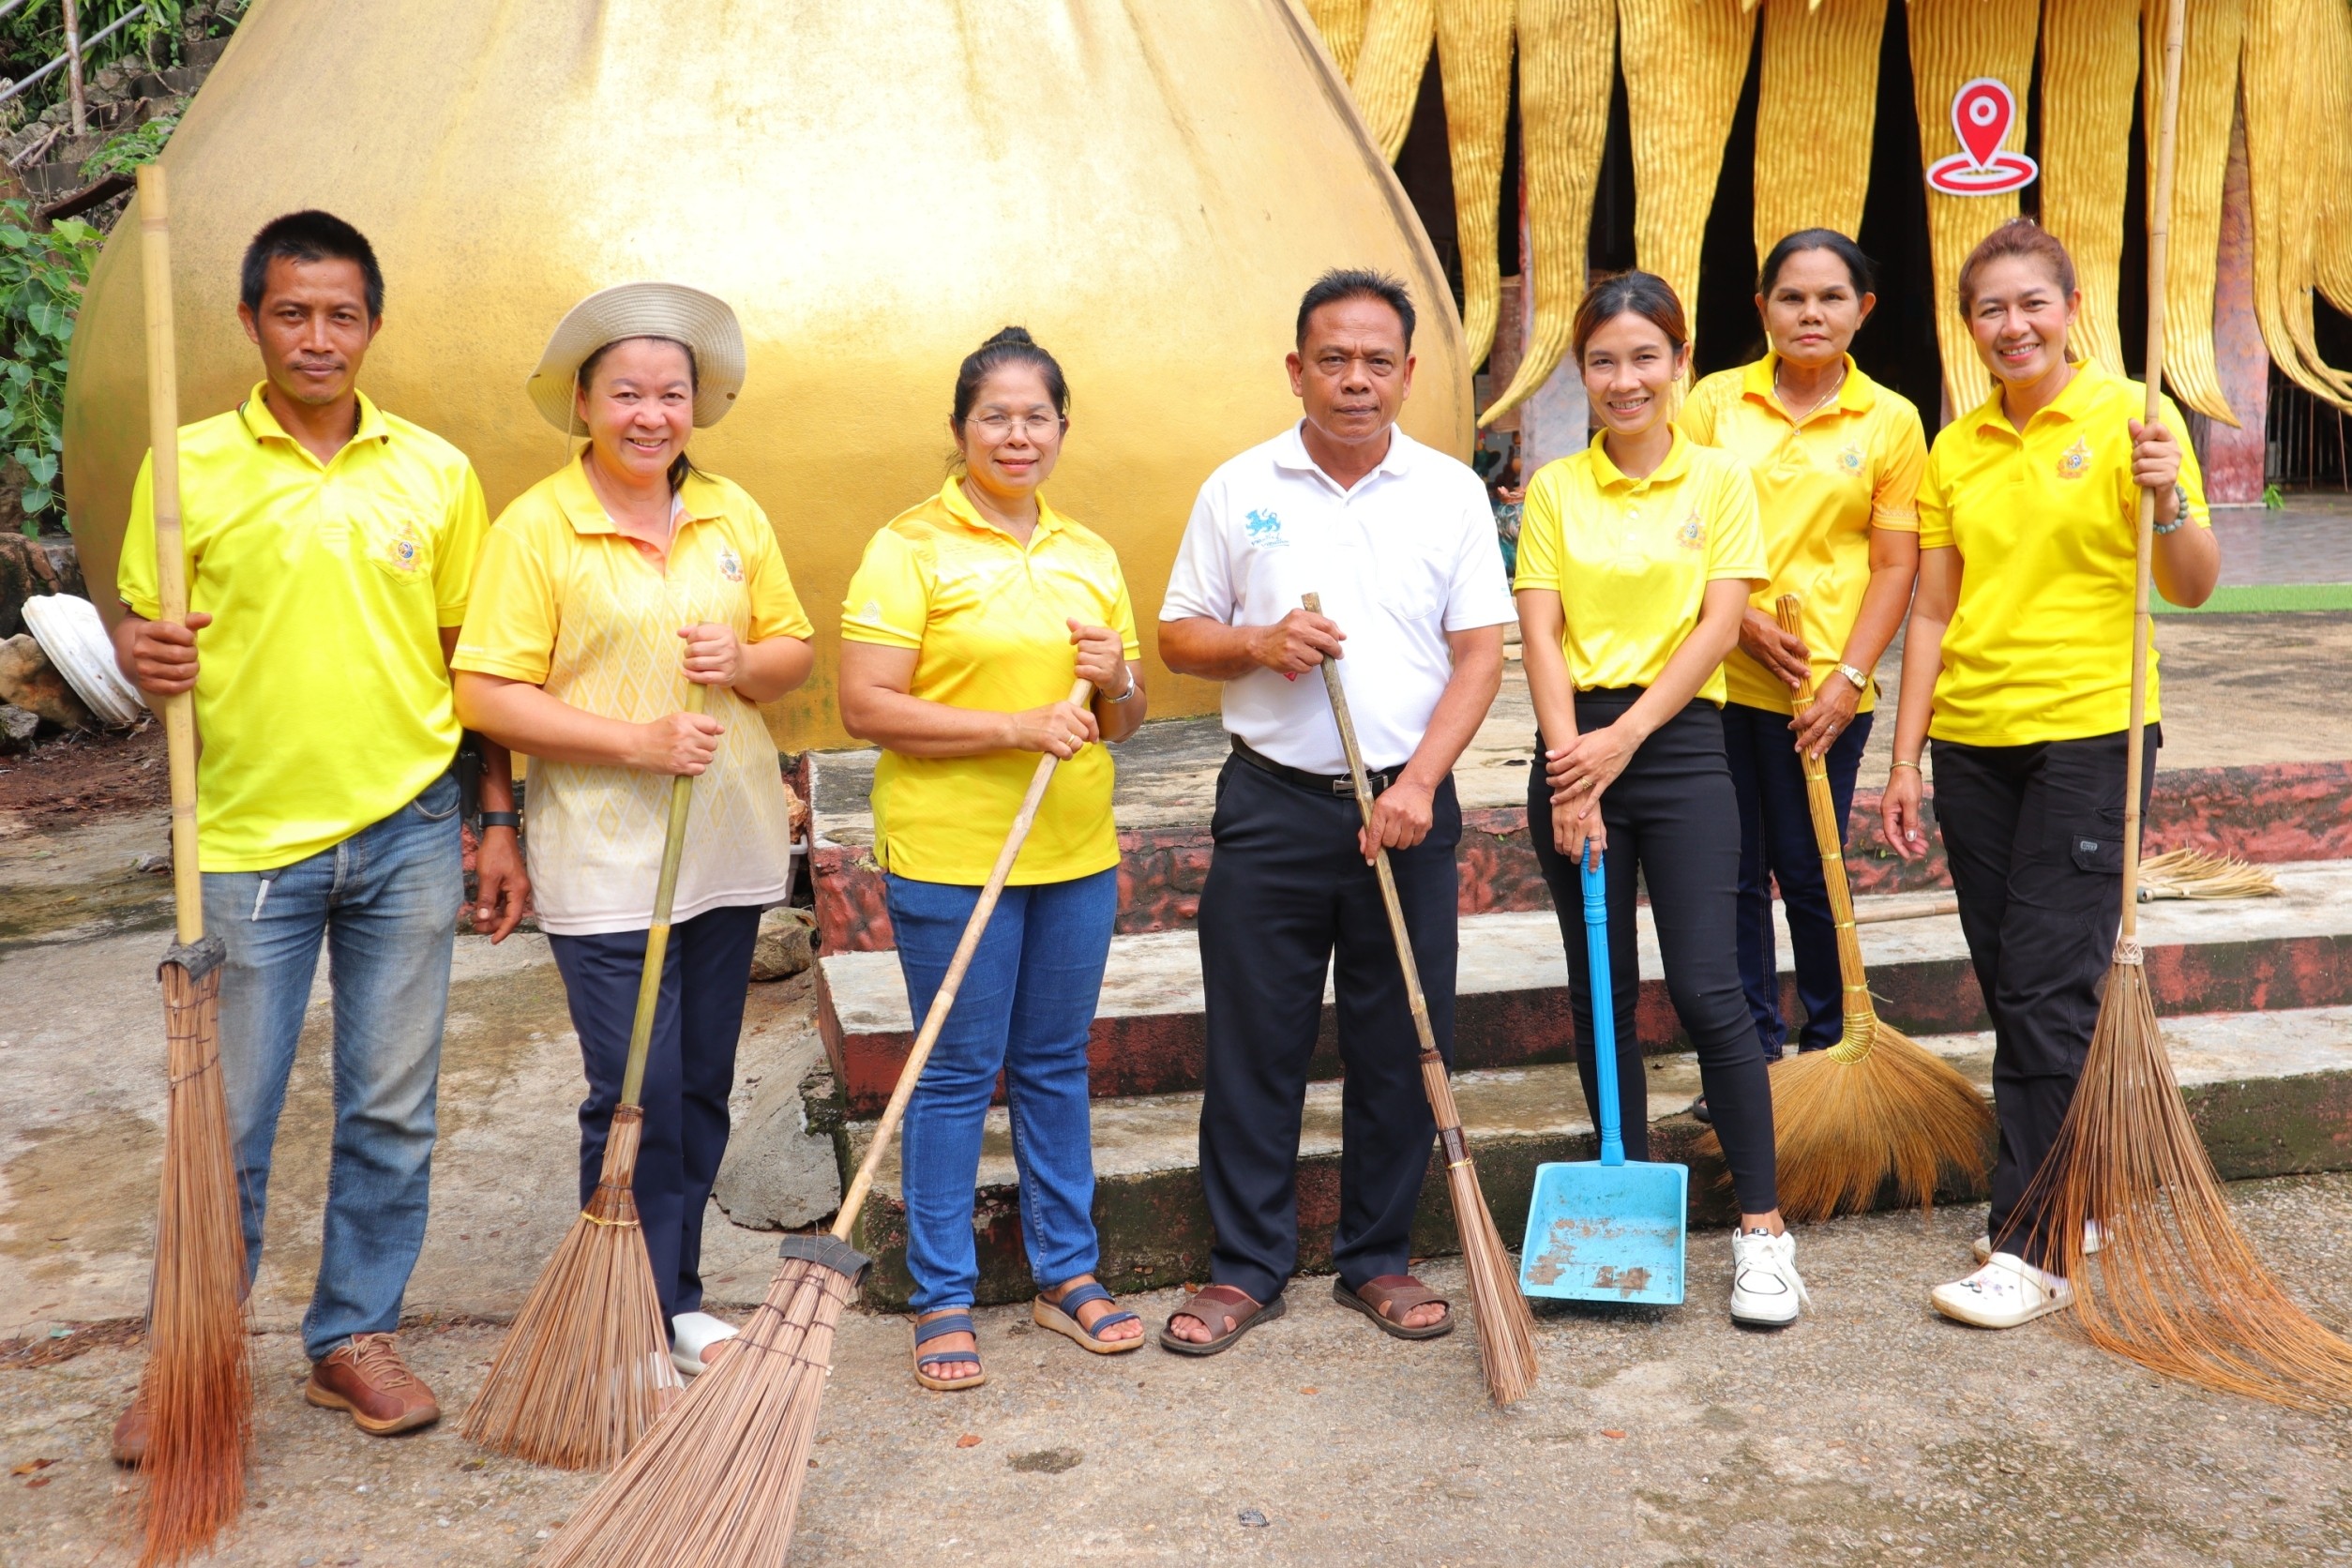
column 2197, row 874
column 1506, row 1327
column 2177, row 1288
column 198, row 1383
column 1844, row 1123
column 716, row 1482
column 585, row 1369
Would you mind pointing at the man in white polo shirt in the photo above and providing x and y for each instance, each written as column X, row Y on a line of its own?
column 1398, row 540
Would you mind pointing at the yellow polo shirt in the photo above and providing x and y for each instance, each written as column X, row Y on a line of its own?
column 565, row 601
column 1821, row 486
column 2040, row 643
column 988, row 619
column 1631, row 559
column 320, row 692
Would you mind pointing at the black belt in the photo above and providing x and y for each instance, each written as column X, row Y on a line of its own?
column 1322, row 784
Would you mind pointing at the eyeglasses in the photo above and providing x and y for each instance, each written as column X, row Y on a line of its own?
column 1030, row 425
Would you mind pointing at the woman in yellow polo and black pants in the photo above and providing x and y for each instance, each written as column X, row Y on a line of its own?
column 1637, row 558
column 1836, row 460
column 2018, row 667
column 602, row 592
column 963, row 630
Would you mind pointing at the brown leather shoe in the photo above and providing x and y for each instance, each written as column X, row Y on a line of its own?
column 368, row 1378
column 131, row 1431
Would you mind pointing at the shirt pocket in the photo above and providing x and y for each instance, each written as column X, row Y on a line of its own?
column 399, row 544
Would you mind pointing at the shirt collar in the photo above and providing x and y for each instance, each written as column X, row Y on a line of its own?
column 262, row 425
column 1856, row 394
column 1291, row 454
column 959, row 507
column 1607, row 474
column 2088, row 386
column 698, row 500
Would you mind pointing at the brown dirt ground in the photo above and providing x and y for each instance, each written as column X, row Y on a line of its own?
column 77, row 779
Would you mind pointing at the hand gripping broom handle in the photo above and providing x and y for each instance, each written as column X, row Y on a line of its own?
column 657, row 937
column 1861, row 1023
column 943, row 1000
column 2143, row 543
column 170, row 558
column 1433, row 1077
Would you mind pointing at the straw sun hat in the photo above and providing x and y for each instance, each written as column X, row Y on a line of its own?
column 701, row 321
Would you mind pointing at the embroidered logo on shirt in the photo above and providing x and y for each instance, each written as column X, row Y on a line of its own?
column 2076, row 461
column 730, row 564
column 1850, row 460
column 1265, row 528
column 404, row 550
column 1692, row 534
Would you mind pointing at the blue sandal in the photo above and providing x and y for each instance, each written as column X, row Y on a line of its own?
column 939, row 1328
column 1062, row 1319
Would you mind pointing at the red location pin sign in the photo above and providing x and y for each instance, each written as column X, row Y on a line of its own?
column 1981, row 114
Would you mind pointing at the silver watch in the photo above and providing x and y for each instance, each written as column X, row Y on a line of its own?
column 1862, row 681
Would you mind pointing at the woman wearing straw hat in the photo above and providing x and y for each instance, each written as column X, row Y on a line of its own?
column 602, row 591
column 965, row 626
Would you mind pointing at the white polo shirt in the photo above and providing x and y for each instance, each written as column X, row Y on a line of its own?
column 1405, row 556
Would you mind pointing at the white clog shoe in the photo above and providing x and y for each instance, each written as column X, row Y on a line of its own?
column 2005, row 1293
column 691, row 1335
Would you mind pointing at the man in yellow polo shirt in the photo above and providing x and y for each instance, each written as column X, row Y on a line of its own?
column 330, row 547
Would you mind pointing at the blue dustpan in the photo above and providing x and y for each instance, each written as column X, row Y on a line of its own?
column 1604, row 1231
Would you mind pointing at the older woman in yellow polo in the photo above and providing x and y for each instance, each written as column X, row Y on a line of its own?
column 602, row 592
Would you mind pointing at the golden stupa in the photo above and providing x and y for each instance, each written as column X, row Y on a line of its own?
column 875, row 189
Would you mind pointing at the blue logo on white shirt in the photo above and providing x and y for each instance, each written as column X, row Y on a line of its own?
column 1265, row 528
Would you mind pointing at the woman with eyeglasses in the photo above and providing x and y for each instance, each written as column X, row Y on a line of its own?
column 965, row 626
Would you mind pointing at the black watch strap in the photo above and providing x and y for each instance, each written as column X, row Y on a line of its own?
column 502, row 819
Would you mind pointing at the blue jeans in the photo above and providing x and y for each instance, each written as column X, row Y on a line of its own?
column 689, row 1072
column 1776, row 845
column 1024, row 1009
column 386, row 902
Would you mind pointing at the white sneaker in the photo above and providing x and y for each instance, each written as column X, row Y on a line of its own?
column 691, row 1335
column 1765, row 1289
column 2004, row 1293
column 2094, row 1237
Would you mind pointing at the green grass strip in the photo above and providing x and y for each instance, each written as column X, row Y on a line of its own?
column 2266, row 600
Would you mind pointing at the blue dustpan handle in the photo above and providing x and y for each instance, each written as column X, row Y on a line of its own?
column 1596, row 946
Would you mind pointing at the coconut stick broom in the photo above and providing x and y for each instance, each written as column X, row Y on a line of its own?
column 586, row 1368
column 2178, row 1288
column 1506, row 1328
column 197, row 1385
column 716, row 1482
column 2174, row 874
column 1878, row 1103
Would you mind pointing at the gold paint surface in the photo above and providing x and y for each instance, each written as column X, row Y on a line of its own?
column 1686, row 62
column 2090, row 63
column 1815, row 110
column 1147, row 187
column 1474, row 65
column 2211, row 31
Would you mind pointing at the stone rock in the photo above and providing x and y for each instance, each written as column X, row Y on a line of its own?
column 778, row 1174
column 787, row 943
column 29, row 680
column 16, row 729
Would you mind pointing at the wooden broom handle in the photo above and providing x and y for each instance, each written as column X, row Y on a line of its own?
column 2142, row 548
column 657, row 934
column 171, row 554
column 1434, row 1081
column 1855, row 999
column 854, row 1200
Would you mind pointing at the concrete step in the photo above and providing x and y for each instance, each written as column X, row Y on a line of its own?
column 1512, row 984
column 2270, row 1090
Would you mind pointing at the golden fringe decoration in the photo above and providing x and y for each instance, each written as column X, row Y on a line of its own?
column 1567, row 59
column 1341, row 23
column 1397, row 37
column 1686, row 61
column 1814, row 110
column 1954, row 43
column 2090, row 69
column 2208, row 99
column 2282, row 166
column 2335, row 109
column 1474, row 68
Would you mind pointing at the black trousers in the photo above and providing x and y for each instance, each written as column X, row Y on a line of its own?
column 1672, row 814
column 689, row 1073
column 2035, row 837
column 1287, row 895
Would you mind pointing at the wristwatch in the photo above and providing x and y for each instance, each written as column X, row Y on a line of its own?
column 501, row 819
column 1862, row 681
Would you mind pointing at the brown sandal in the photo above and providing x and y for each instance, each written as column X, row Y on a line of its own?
column 1228, row 1313
column 1387, row 1298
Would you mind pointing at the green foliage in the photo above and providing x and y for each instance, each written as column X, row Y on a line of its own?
column 42, row 272
column 2274, row 499
column 128, row 151
column 36, row 34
